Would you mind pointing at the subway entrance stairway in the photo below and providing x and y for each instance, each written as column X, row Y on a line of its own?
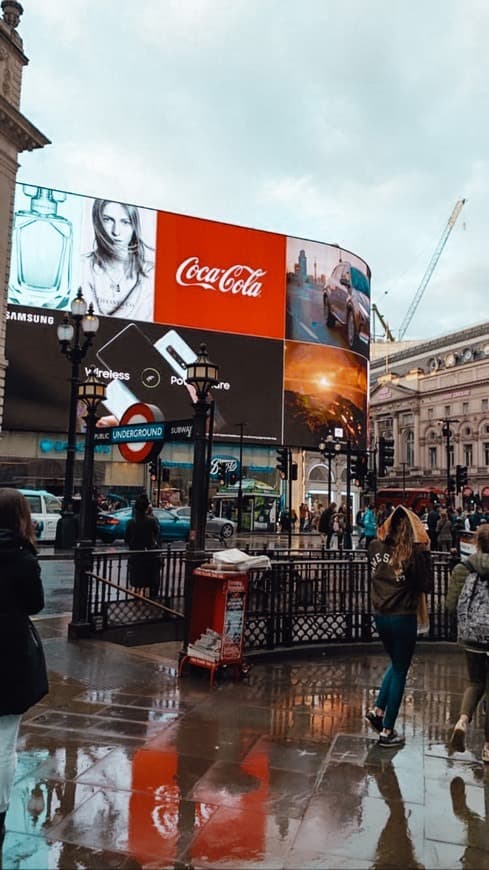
column 123, row 765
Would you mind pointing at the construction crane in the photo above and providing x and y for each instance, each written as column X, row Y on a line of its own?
column 383, row 322
column 431, row 267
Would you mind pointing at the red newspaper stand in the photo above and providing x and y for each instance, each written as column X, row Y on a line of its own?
column 218, row 613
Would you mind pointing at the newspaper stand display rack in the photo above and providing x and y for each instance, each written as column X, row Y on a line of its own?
column 217, row 618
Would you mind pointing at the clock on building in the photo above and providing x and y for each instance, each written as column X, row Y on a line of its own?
column 468, row 354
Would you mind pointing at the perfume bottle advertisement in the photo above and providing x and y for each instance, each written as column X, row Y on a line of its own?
column 117, row 261
column 44, row 272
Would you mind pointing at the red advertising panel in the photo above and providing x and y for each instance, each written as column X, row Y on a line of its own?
column 219, row 276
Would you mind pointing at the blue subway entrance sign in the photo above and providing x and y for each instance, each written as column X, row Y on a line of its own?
column 133, row 433
column 138, row 432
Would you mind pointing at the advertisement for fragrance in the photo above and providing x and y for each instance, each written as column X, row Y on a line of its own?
column 285, row 319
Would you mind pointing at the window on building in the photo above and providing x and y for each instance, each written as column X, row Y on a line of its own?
column 486, row 453
column 465, row 407
column 410, row 448
column 467, row 454
column 430, row 413
column 432, row 457
column 447, row 410
column 485, row 404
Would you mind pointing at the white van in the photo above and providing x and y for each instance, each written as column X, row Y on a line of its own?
column 45, row 510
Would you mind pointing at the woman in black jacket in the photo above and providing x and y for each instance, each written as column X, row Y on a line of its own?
column 23, row 677
column 143, row 533
column 400, row 571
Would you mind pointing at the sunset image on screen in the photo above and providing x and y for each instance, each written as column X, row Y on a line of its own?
column 323, row 387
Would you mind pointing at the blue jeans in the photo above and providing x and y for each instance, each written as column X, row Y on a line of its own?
column 398, row 634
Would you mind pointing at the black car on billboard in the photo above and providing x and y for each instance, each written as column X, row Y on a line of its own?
column 346, row 300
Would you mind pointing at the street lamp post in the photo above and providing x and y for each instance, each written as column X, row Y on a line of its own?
column 202, row 375
column 91, row 392
column 75, row 336
column 446, row 432
column 240, row 479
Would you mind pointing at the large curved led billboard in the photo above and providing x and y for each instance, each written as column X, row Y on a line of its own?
column 286, row 319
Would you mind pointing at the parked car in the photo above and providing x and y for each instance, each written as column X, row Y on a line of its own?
column 112, row 526
column 217, row 526
column 45, row 511
column 346, row 300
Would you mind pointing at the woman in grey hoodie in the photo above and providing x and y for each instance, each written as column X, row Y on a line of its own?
column 477, row 660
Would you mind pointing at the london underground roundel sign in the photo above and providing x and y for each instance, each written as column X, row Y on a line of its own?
column 140, row 451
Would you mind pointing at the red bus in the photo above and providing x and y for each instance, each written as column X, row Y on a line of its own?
column 418, row 498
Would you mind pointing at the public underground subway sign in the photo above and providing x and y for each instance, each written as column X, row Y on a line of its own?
column 142, row 431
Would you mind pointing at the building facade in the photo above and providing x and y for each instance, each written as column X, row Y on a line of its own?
column 17, row 134
column 432, row 398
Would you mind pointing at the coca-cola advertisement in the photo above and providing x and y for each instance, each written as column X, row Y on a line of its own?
column 286, row 319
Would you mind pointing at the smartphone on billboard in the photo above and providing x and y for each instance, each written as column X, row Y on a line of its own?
column 176, row 352
column 145, row 373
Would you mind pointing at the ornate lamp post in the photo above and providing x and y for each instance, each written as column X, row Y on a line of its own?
column 75, row 336
column 202, row 375
column 91, row 392
column 447, row 432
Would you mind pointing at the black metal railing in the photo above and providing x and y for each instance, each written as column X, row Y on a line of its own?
column 312, row 598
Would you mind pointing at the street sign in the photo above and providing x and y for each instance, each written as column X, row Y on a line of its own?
column 169, row 430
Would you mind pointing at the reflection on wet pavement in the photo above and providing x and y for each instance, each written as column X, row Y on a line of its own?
column 124, row 766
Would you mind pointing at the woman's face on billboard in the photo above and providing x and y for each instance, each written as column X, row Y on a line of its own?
column 117, row 224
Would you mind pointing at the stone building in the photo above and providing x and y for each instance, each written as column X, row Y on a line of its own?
column 17, row 134
column 432, row 398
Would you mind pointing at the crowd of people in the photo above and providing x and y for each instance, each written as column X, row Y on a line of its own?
column 444, row 525
column 398, row 545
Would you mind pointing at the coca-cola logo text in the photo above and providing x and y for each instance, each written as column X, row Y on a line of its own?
column 235, row 279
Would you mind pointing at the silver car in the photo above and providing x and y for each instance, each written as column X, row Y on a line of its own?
column 215, row 526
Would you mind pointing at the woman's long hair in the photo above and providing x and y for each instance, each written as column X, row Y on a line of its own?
column 401, row 541
column 141, row 507
column 104, row 248
column 15, row 514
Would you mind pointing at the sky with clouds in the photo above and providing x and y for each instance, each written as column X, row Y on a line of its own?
column 355, row 123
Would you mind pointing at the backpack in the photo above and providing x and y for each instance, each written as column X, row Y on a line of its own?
column 473, row 611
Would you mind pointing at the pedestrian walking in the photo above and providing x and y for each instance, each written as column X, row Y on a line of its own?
column 432, row 522
column 143, row 534
column 476, row 650
column 22, row 665
column 324, row 524
column 369, row 525
column 336, row 530
column 444, row 532
column 400, row 571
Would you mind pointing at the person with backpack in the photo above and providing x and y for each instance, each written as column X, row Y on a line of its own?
column 461, row 586
column 401, row 571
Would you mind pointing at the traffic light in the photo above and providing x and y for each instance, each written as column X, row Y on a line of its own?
column 153, row 469
column 362, row 463
column 386, row 455
column 283, row 462
column 165, row 475
column 451, row 484
column 293, row 471
column 461, row 477
column 371, row 481
column 354, row 467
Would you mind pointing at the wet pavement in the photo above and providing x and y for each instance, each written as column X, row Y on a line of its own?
column 125, row 766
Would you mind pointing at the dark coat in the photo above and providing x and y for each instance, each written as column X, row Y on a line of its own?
column 23, row 677
column 144, row 568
